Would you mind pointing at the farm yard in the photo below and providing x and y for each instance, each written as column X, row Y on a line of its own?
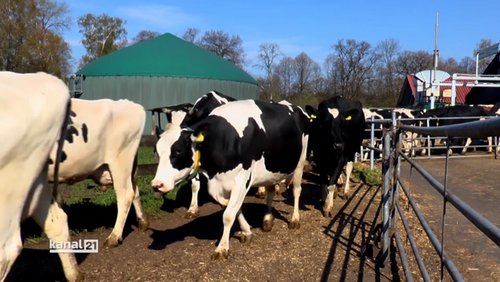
column 323, row 249
column 179, row 249
column 142, row 158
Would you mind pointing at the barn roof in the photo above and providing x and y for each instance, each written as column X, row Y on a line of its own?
column 166, row 55
column 461, row 90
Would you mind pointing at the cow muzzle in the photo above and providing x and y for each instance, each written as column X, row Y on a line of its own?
column 159, row 186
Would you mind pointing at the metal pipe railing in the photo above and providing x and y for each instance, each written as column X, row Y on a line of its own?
column 483, row 224
column 450, row 266
column 413, row 245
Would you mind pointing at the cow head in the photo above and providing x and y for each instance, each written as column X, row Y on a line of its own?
column 177, row 158
column 204, row 106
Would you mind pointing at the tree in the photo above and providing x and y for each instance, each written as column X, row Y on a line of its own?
column 224, row 45
column 450, row 65
column 350, row 67
column 468, row 65
column 484, row 43
column 268, row 53
column 286, row 75
column 410, row 62
column 144, row 35
column 307, row 74
column 31, row 37
column 101, row 35
column 191, row 34
column 387, row 81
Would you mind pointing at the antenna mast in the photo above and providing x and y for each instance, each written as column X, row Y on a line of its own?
column 436, row 50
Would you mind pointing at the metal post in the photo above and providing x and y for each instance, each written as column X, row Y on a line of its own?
column 453, row 89
column 428, row 139
column 386, row 171
column 372, row 142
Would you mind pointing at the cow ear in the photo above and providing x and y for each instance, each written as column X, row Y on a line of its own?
column 310, row 110
column 350, row 114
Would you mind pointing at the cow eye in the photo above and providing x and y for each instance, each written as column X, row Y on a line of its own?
column 177, row 153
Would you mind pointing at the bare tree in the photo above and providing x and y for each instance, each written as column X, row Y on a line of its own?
column 468, row 65
column 352, row 64
column 307, row 73
column 450, row 65
column 268, row 53
column 191, row 34
column 101, row 35
column 286, row 75
column 410, row 62
column 224, row 45
column 484, row 43
column 144, row 35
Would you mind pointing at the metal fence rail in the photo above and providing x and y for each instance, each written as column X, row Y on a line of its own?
column 375, row 133
column 392, row 158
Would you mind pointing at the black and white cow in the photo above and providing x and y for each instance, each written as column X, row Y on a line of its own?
column 204, row 106
column 239, row 145
column 185, row 119
column 466, row 112
column 336, row 136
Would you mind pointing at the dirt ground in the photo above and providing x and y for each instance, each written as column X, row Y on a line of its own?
column 476, row 181
column 179, row 249
column 323, row 249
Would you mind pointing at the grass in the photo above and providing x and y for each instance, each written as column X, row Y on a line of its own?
column 146, row 155
column 87, row 192
column 363, row 173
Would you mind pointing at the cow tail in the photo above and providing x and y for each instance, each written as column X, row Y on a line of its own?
column 60, row 143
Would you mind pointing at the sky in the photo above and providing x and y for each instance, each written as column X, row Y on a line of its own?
column 310, row 26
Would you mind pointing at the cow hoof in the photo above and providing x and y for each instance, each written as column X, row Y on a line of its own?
column 346, row 196
column 244, row 238
column 260, row 195
column 143, row 224
column 220, row 255
column 267, row 225
column 79, row 277
column 112, row 241
column 294, row 225
column 327, row 213
column 191, row 214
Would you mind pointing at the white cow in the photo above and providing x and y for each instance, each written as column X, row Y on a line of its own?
column 101, row 144
column 33, row 108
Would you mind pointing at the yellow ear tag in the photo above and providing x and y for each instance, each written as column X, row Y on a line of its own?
column 313, row 116
column 348, row 118
column 196, row 160
column 200, row 138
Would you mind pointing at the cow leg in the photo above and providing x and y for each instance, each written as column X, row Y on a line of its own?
column 245, row 234
column 11, row 244
column 54, row 223
column 348, row 170
column 10, row 237
column 332, row 186
column 124, row 196
column 236, row 198
column 193, row 211
column 268, row 217
column 328, row 205
column 261, row 192
column 141, row 217
column 467, row 144
column 490, row 145
column 297, row 189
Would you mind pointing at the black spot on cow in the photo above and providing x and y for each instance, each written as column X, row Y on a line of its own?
column 63, row 158
column 70, row 132
column 85, row 132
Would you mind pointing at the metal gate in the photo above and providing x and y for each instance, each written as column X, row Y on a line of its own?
column 394, row 189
